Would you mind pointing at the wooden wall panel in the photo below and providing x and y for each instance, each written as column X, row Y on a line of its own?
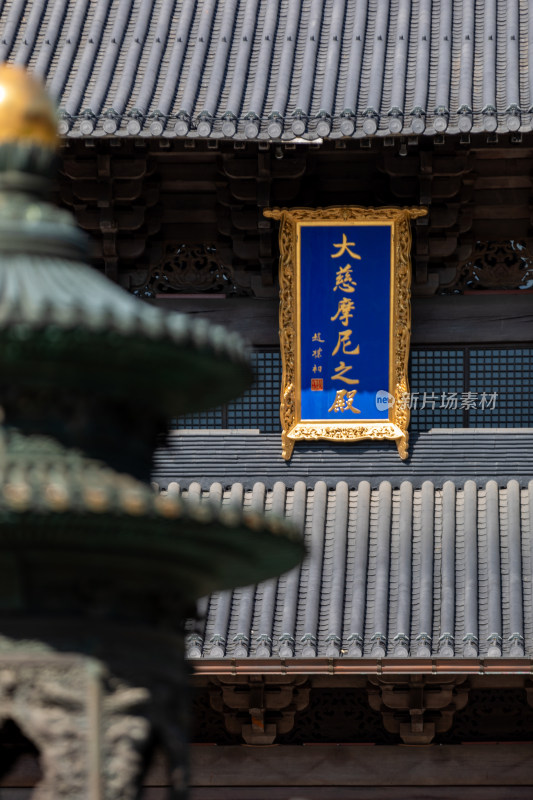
column 451, row 319
column 495, row 771
column 359, row 793
column 330, row 767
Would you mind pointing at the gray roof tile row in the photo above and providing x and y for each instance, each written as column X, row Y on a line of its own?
column 438, row 455
column 403, row 572
column 278, row 68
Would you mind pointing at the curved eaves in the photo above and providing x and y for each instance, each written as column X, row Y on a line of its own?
column 278, row 69
column 391, row 572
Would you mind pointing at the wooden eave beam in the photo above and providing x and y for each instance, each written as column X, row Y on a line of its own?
column 363, row 666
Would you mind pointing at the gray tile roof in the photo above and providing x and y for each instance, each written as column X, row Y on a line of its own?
column 438, row 455
column 271, row 68
column 392, row 573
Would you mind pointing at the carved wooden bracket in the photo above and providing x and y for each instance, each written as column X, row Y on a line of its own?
column 417, row 707
column 114, row 199
column 259, row 708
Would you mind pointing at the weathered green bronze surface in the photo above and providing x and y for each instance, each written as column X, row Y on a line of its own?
column 92, row 561
column 60, row 509
column 85, row 364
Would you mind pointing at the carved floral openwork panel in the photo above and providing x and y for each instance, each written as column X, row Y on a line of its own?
column 496, row 266
column 193, row 268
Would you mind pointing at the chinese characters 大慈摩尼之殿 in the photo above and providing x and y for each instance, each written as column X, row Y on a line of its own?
column 344, row 282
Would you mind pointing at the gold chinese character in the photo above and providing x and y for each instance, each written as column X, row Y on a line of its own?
column 344, row 340
column 316, row 338
column 341, row 371
column 345, row 246
column 344, row 280
column 317, row 353
column 344, row 401
column 343, row 311
column 317, row 369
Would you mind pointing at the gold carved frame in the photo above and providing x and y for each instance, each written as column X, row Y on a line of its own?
column 395, row 428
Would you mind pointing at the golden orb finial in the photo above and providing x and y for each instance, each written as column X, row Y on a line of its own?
column 27, row 115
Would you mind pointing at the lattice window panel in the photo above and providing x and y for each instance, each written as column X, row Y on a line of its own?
column 435, row 373
column 259, row 406
column 508, row 372
column 256, row 408
column 213, row 418
column 434, row 376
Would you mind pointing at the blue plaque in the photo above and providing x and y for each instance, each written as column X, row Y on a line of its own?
column 344, row 336
column 345, row 323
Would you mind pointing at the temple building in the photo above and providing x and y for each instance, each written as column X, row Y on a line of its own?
column 396, row 661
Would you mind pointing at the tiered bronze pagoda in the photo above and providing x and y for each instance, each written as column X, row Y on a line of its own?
column 97, row 571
